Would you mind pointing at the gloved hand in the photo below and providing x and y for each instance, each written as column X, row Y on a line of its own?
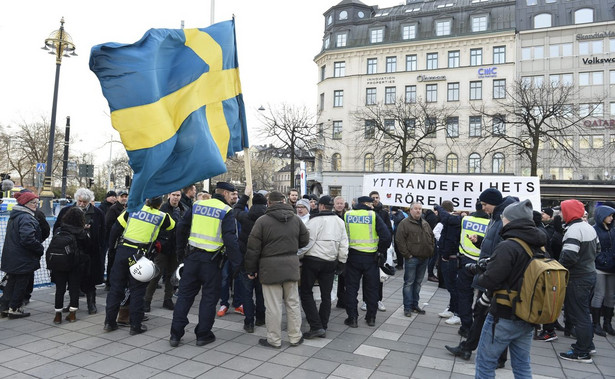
column 339, row 269
column 557, row 224
column 158, row 246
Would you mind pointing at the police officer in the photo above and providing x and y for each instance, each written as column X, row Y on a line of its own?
column 368, row 237
column 210, row 230
column 140, row 230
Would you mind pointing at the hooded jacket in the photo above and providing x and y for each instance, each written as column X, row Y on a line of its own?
column 507, row 264
column 247, row 219
column 273, row 244
column 448, row 244
column 606, row 235
column 22, row 250
column 581, row 242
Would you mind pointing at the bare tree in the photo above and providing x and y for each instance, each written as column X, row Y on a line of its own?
column 289, row 127
column 404, row 130
column 531, row 114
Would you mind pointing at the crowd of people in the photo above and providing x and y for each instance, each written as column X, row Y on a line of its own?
column 268, row 250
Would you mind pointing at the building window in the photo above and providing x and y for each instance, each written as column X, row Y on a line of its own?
column 389, row 95
column 499, row 55
column 452, row 127
column 337, row 130
column 561, row 79
column 321, row 106
column 452, row 92
column 327, row 42
column 531, row 2
column 612, row 109
column 391, row 64
column 542, row 20
column 431, row 127
column 590, row 47
column 497, row 163
column 372, row 65
column 336, row 162
column 376, row 35
column 560, row 50
column 411, row 63
column 479, row 23
column 430, row 163
column 476, row 57
column 452, row 163
column 594, row 78
column 410, row 95
column 338, row 98
column 432, row 61
column 476, row 90
column 335, row 191
column 387, row 163
column 323, row 72
column 474, row 163
column 532, row 81
column 389, row 128
column 594, row 110
column 410, row 126
column 408, row 31
column 339, row 69
column 370, row 96
column 499, row 88
column 583, row 16
column 453, row 59
column 368, row 162
column 475, row 126
column 443, row 27
column 431, row 93
column 370, row 129
column 534, row 52
column 499, row 126
column 341, row 39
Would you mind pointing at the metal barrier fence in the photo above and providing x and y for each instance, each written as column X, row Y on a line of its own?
column 41, row 276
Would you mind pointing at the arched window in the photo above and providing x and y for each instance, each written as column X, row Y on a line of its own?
column 497, row 163
column 452, row 163
column 387, row 164
column 368, row 162
column 542, row 20
column 336, row 162
column 430, row 163
column 583, row 16
column 474, row 163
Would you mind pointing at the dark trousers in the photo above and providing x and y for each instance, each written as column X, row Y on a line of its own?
column 362, row 266
column 167, row 263
column 120, row 275
column 449, row 274
column 72, row 279
column 341, row 290
column 432, row 262
column 200, row 273
column 110, row 260
column 465, row 292
column 480, row 314
column 313, row 269
column 380, row 287
column 16, row 289
column 30, row 288
column 228, row 284
column 578, row 294
column 252, row 288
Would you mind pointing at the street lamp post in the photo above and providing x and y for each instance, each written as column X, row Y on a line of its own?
column 65, row 160
column 60, row 43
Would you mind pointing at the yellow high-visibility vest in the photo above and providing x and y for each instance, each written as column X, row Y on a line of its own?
column 206, row 230
column 471, row 225
column 142, row 226
column 361, row 229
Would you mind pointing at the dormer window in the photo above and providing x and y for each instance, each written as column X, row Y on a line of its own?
column 343, row 15
column 443, row 27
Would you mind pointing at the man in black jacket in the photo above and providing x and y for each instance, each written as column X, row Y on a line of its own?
column 505, row 270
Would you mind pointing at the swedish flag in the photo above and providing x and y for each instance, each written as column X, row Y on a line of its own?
column 175, row 99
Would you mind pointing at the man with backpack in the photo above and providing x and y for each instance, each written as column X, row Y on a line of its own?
column 505, row 270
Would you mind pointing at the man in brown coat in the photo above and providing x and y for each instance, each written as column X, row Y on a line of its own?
column 272, row 255
column 415, row 241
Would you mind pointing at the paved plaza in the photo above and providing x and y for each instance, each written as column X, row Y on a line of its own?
column 397, row 347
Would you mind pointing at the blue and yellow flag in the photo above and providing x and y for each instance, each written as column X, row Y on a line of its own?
column 175, row 99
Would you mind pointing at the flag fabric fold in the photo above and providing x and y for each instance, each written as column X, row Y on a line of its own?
column 175, row 98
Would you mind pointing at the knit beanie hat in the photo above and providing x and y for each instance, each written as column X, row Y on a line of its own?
column 26, row 197
column 491, row 196
column 521, row 210
column 548, row 211
column 259, row 199
column 276, row 196
column 303, row 203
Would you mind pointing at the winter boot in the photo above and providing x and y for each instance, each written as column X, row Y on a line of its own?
column 596, row 321
column 72, row 315
column 123, row 316
column 18, row 313
column 58, row 318
column 91, row 299
column 608, row 316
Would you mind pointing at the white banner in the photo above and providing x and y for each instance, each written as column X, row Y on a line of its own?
column 463, row 190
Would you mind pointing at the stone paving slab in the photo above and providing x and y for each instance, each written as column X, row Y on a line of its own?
column 397, row 347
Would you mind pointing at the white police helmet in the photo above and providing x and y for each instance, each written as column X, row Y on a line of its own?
column 177, row 275
column 144, row 270
column 383, row 276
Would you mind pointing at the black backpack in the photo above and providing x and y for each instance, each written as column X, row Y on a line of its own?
column 63, row 252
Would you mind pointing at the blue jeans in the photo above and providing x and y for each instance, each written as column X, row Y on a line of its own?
column 449, row 274
column 413, row 277
column 576, row 304
column 252, row 287
column 514, row 334
column 225, row 293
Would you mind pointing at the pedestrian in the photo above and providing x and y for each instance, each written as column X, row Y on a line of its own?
column 302, row 207
column 604, row 292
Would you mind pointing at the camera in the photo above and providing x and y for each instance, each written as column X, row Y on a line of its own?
column 479, row 267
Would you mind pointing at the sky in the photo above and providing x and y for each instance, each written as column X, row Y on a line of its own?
column 277, row 41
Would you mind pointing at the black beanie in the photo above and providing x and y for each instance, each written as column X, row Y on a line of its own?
column 259, row 199
column 491, row 196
